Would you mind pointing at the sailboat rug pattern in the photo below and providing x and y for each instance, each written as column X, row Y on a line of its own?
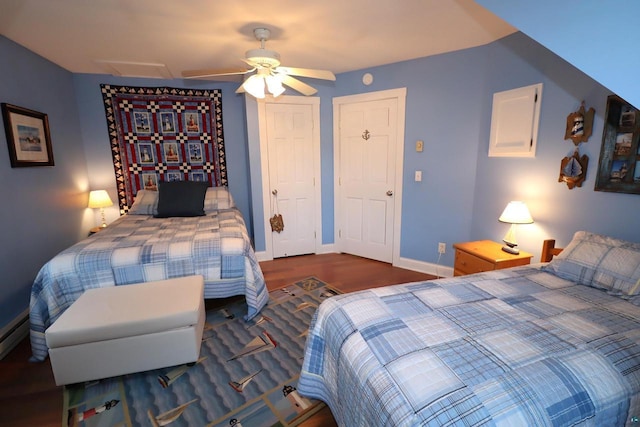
column 246, row 375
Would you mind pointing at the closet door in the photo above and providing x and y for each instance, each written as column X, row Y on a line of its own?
column 369, row 130
column 292, row 177
column 514, row 122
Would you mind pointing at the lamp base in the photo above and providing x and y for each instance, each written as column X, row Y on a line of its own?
column 511, row 249
column 104, row 222
column 510, row 241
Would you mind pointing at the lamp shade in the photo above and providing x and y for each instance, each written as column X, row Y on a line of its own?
column 516, row 213
column 99, row 199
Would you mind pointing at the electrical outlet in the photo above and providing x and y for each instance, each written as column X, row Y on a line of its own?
column 442, row 247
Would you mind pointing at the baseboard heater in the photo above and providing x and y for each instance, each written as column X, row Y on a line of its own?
column 13, row 333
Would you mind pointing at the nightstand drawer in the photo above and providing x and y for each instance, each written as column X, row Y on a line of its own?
column 469, row 264
column 485, row 255
column 466, row 263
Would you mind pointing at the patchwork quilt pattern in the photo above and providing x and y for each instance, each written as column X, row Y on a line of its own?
column 509, row 347
column 164, row 134
column 141, row 248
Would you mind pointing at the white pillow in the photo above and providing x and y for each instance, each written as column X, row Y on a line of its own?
column 601, row 262
column 218, row 198
column 145, row 203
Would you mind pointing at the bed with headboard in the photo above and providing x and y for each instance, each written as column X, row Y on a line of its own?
column 186, row 228
column 550, row 344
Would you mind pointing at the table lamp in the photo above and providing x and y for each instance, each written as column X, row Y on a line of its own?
column 515, row 213
column 100, row 199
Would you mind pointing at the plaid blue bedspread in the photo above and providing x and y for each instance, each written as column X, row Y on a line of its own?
column 141, row 248
column 517, row 347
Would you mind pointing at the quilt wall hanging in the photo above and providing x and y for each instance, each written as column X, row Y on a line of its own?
column 163, row 134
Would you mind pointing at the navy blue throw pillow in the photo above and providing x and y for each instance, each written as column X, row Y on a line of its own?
column 181, row 198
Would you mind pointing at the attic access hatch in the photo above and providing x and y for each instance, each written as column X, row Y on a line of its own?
column 514, row 122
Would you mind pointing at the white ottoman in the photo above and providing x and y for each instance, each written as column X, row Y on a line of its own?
column 124, row 329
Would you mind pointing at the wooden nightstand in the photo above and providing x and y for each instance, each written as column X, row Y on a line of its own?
column 94, row 230
column 485, row 255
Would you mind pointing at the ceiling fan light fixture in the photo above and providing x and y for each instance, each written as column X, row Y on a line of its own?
column 254, row 85
column 274, row 84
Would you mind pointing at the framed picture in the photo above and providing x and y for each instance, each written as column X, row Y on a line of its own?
column 173, row 176
column 27, row 136
column 195, row 152
column 150, row 181
column 619, row 166
column 168, row 123
column 145, row 153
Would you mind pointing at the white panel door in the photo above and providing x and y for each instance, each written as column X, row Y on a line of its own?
column 289, row 129
column 368, row 139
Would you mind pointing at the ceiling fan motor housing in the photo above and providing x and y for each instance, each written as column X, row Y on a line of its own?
column 264, row 57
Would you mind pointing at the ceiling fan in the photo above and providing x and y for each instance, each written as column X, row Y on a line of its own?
column 268, row 72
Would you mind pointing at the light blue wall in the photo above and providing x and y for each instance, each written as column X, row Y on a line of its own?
column 600, row 38
column 463, row 191
column 441, row 110
column 558, row 212
column 97, row 146
column 43, row 208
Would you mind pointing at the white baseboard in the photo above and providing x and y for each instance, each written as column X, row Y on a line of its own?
column 13, row 333
column 424, row 267
column 407, row 263
column 327, row 249
column 324, row 249
column 262, row 256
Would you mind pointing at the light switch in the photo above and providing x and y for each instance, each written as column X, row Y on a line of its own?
column 419, row 146
column 418, row 176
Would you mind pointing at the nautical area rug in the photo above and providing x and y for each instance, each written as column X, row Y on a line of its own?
column 246, row 375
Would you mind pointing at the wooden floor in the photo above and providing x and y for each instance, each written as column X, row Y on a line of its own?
column 29, row 396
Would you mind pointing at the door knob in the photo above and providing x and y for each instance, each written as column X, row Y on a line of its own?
column 274, row 192
column 390, row 193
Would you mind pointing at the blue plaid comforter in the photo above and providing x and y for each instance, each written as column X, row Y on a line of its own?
column 140, row 248
column 517, row 347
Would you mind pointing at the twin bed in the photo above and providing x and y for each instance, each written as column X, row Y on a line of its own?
column 553, row 344
column 139, row 247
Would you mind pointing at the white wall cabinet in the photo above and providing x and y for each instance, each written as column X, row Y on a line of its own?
column 514, row 122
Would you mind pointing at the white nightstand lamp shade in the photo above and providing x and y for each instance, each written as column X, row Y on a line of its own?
column 515, row 213
column 100, row 199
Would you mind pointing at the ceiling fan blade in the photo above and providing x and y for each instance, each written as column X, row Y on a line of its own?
column 307, row 72
column 296, row 84
column 197, row 74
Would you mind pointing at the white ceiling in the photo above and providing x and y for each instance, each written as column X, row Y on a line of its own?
column 162, row 38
